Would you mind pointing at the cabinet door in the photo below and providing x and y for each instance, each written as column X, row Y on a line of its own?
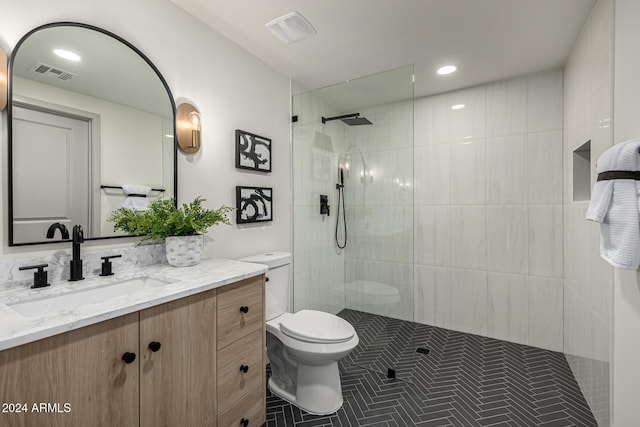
column 240, row 310
column 177, row 382
column 77, row 378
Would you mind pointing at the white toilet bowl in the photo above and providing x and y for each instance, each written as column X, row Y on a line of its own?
column 304, row 349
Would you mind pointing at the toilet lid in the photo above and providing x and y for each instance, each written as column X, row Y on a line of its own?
column 317, row 326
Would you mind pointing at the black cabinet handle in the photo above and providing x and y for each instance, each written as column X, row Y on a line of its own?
column 266, row 279
column 244, row 368
column 154, row 346
column 244, row 422
column 128, row 357
column 244, row 309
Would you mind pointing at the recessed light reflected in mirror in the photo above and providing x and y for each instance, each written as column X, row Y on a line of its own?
column 458, row 107
column 67, row 54
column 447, row 69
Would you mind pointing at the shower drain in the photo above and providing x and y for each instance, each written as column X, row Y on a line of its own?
column 422, row 350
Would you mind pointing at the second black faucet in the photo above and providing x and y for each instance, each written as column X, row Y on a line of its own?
column 76, row 261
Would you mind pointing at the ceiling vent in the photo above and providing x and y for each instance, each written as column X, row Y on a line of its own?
column 48, row 70
column 291, row 27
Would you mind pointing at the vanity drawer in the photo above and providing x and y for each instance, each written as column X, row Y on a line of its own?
column 250, row 408
column 240, row 309
column 232, row 382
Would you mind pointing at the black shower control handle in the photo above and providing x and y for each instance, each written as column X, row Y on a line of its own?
column 244, row 368
column 244, row 309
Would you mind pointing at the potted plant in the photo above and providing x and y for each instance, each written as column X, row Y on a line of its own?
column 181, row 228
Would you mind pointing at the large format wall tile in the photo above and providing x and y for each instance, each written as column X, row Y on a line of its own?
column 545, row 240
column 468, row 237
column 544, row 167
column 506, row 170
column 507, row 107
column 432, row 235
column 507, row 240
column 431, row 167
column 544, row 101
column 469, row 122
column 545, row 312
column 508, row 307
column 433, row 296
column 468, row 173
column 469, row 301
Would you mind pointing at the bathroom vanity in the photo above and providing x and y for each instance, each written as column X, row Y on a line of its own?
column 187, row 349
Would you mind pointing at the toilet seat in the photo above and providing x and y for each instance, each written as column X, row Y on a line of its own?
column 317, row 327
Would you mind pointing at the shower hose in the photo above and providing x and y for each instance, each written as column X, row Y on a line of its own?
column 340, row 188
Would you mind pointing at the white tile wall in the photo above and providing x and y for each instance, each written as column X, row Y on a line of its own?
column 489, row 209
column 468, row 169
column 588, row 280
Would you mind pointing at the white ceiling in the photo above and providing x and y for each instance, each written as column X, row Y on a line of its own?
column 488, row 39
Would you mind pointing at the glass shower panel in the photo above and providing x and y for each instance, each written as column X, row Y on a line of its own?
column 375, row 157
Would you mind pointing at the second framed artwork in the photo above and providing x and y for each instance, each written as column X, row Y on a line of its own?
column 253, row 151
column 254, row 204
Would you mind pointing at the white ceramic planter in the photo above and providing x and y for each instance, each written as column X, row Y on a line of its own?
column 183, row 251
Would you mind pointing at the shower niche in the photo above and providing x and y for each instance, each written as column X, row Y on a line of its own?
column 582, row 172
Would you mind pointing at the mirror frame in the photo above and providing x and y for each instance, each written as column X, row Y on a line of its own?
column 10, row 123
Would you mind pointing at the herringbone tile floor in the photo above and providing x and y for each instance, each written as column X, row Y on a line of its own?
column 465, row 380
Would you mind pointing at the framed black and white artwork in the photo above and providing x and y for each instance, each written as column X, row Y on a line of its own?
column 254, row 204
column 253, row 151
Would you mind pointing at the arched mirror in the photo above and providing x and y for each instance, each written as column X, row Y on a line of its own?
column 88, row 114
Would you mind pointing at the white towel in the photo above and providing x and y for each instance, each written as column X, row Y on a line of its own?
column 133, row 202
column 614, row 204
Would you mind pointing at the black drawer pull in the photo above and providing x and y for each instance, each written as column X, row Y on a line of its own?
column 244, row 422
column 244, row 368
column 154, row 346
column 244, row 309
column 128, row 357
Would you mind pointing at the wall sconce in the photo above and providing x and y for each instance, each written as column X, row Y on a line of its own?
column 3, row 80
column 188, row 128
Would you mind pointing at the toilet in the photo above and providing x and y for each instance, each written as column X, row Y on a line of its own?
column 304, row 347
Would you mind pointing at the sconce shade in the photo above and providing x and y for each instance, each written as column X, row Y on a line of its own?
column 188, row 128
column 3, row 80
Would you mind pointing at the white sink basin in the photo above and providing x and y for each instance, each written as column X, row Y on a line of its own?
column 91, row 295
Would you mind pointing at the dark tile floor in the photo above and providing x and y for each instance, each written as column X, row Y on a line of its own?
column 465, row 380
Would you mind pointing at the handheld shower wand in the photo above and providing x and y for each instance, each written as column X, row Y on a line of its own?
column 340, row 188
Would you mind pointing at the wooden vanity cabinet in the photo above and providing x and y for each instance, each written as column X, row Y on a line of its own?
column 178, row 379
column 182, row 375
column 82, row 368
column 241, row 354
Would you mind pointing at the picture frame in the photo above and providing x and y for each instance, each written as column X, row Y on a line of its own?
column 253, row 152
column 254, row 204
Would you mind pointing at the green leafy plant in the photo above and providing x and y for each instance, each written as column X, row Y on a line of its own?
column 163, row 219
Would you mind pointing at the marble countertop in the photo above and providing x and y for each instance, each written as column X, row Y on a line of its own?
column 16, row 329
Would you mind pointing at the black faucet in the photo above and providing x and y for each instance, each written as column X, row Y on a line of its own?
column 76, row 261
column 57, row 226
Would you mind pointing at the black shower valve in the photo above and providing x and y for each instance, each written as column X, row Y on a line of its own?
column 324, row 205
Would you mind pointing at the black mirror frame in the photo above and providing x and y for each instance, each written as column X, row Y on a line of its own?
column 10, row 123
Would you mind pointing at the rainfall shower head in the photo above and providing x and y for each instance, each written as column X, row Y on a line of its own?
column 357, row 121
column 350, row 119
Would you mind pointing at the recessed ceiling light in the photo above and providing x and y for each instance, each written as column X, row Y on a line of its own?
column 458, row 107
column 67, row 54
column 447, row 69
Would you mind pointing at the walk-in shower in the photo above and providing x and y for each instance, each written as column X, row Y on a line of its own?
column 358, row 168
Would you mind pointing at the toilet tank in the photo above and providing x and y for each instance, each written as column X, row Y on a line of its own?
column 277, row 286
